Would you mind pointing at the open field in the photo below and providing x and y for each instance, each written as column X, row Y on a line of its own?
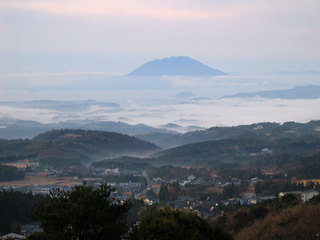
column 22, row 164
column 41, row 180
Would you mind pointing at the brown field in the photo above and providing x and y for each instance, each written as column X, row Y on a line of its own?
column 41, row 180
column 22, row 164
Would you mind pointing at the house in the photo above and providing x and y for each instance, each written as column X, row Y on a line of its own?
column 48, row 172
column 304, row 196
column 266, row 151
column 115, row 171
column 307, row 195
column 182, row 184
column 191, row 178
column 255, row 180
column 12, row 236
column 157, row 180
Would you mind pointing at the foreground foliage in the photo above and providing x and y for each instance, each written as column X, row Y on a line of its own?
column 297, row 223
column 167, row 224
column 81, row 213
column 15, row 210
column 9, row 173
column 283, row 218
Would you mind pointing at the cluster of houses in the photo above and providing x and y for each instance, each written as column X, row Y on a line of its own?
column 150, row 193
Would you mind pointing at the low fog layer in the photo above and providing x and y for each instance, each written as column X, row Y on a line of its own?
column 204, row 113
column 155, row 101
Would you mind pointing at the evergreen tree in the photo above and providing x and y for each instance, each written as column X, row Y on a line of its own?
column 173, row 224
column 82, row 213
column 164, row 194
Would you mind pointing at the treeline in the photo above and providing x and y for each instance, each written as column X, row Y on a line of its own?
column 171, row 172
column 9, row 173
column 308, row 172
column 14, row 158
column 241, row 174
column 272, row 187
column 16, row 209
column 264, row 131
column 125, row 162
column 246, row 151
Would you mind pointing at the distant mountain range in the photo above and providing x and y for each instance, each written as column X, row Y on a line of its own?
column 299, row 92
column 310, row 72
column 260, row 130
column 61, row 105
column 175, row 66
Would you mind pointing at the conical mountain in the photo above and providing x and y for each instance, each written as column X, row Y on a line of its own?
column 175, row 66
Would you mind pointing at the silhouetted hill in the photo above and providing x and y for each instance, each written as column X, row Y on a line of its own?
column 299, row 92
column 58, row 148
column 245, row 151
column 175, row 66
column 109, row 141
column 260, row 130
column 29, row 129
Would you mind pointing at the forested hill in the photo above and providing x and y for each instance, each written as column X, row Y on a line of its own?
column 62, row 146
column 87, row 138
column 258, row 130
column 245, row 152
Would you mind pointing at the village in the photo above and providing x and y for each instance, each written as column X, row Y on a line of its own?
column 204, row 191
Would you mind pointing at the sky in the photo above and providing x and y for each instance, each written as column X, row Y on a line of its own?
column 81, row 49
column 116, row 36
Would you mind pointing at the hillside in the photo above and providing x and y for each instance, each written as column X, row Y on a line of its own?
column 15, row 129
column 259, row 130
column 175, row 66
column 245, row 151
column 63, row 147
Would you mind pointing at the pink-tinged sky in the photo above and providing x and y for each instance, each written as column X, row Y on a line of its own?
column 119, row 35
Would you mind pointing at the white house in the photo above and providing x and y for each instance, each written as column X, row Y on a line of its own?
column 307, row 195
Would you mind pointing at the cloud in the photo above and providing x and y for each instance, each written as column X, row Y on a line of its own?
column 226, row 112
column 54, row 35
column 152, row 9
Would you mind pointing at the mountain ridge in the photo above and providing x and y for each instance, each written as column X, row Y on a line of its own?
column 298, row 92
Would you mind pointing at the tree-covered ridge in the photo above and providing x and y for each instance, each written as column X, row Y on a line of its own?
column 110, row 140
column 63, row 147
column 243, row 151
column 258, row 130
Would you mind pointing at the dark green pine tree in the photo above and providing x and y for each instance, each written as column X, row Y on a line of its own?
column 164, row 194
column 82, row 213
column 174, row 224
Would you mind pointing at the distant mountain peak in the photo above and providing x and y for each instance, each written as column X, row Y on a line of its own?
column 175, row 66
